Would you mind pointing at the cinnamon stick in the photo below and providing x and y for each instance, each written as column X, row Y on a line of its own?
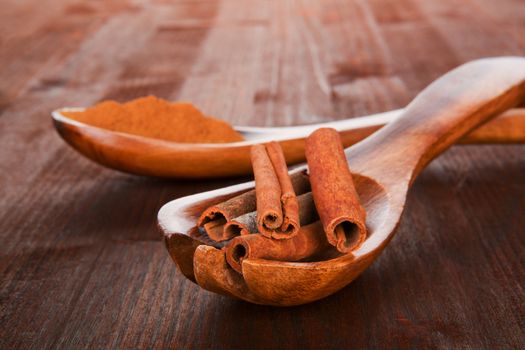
column 214, row 218
column 277, row 206
column 310, row 241
column 335, row 197
column 247, row 223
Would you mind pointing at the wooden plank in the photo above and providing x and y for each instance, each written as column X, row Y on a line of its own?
column 82, row 264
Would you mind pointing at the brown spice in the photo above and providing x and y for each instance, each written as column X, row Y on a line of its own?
column 308, row 242
column 247, row 223
column 214, row 218
column 277, row 207
column 335, row 197
column 282, row 214
column 156, row 118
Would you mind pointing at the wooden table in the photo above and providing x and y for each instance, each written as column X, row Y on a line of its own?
column 82, row 263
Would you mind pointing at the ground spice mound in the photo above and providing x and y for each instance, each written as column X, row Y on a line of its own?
column 153, row 117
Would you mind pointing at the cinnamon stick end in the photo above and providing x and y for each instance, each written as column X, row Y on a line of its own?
column 213, row 221
column 215, row 230
column 234, row 228
column 347, row 236
column 235, row 252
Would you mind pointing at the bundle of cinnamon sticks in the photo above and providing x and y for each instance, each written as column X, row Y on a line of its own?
column 291, row 217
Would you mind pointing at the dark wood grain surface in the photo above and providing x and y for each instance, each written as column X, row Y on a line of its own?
column 82, row 264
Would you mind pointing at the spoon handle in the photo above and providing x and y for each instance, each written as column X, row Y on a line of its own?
column 507, row 128
column 440, row 115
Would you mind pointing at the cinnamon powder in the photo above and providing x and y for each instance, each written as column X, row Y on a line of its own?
column 156, row 118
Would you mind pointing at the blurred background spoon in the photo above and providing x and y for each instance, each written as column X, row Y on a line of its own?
column 153, row 157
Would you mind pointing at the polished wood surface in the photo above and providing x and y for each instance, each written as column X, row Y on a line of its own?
column 82, row 262
column 384, row 166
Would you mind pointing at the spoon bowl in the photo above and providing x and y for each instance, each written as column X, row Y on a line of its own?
column 384, row 166
column 213, row 273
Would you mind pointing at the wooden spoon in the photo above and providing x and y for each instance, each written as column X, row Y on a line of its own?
column 384, row 165
column 153, row 157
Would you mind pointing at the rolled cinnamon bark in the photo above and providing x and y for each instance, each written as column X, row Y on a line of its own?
column 214, row 218
column 310, row 241
column 290, row 206
column 267, row 189
column 335, row 197
column 247, row 223
column 242, row 225
column 277, row 206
